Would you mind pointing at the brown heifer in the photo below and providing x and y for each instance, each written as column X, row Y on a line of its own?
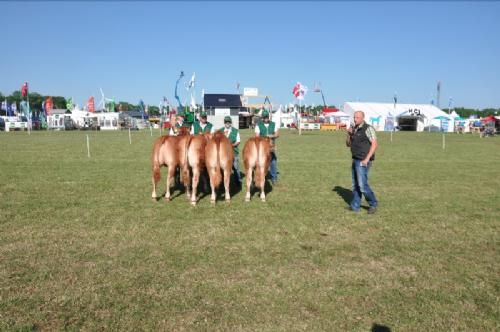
column 257, row 155
column 219, row 156
column 166, row 153
column 194, row 160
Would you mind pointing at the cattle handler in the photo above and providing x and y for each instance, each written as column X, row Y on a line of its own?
column 267, row 128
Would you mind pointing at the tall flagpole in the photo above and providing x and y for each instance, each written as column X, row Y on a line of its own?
column 300, row 117
column 29, row 110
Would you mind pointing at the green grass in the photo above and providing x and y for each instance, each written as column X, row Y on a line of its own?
column 83, row 246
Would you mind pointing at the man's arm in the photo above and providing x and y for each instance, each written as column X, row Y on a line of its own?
column 235, row 144
column 373, row 147
column 348, row 141
column 257, row 131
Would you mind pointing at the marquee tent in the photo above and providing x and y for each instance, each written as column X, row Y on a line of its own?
column 411, row 117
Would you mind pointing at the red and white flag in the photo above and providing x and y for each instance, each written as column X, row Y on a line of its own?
column 24, row 89
column 299, row 91
column 49, row 105
column 90, row 105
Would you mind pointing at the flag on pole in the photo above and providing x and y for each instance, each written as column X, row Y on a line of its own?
column 395, row 99
column 191, row 82
column 91, row 105
column 439, row 86
column 69, row 104
column 299, row 91
column 24, row 89
column 49, row 105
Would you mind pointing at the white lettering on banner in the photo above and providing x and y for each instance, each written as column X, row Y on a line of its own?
column 250, row 92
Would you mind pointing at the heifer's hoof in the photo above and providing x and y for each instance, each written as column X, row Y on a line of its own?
column 247, row 199
column 193, row 203
column 212, row 201
column 168, row 199
column 228, row 201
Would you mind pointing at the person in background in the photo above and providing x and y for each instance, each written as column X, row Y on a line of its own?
column 179, row 122
column 234, row 136
column 202, row 126
column 267, row 128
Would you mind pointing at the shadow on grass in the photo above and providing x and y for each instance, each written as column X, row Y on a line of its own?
column 380, row 328
column 346, row 194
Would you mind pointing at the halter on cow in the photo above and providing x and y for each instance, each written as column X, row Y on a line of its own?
column 257, row 156
column 219, row 156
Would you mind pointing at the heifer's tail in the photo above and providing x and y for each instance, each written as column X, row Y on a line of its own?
column 155, row 164
column 258, row 174
column 185, row 169
column 217, row 176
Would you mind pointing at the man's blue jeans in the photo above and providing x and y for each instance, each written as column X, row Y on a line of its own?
column 360, row 185
column 273, row 167
column 236, row 169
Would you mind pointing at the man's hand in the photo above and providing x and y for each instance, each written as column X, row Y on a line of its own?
column 365, row 162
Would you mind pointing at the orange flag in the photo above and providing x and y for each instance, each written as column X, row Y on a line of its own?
column 48, row 105
column 90, row 105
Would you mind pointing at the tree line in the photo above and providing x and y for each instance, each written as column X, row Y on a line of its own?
column 59, row 102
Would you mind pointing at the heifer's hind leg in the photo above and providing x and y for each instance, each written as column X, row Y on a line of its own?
column 249, row 184
column 262, row 180
column 170, row 179
column 194, row 184
column 212, row 172
column 153, row 194
column 227, row 179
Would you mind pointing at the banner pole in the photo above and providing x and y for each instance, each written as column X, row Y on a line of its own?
column 88, row 147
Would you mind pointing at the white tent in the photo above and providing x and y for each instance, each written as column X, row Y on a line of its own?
column 413, row 117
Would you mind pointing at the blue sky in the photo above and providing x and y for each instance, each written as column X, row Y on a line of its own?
column 358, row 51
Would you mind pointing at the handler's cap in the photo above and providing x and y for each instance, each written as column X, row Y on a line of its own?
column 265, row 114
column 228, row 119
column 203, row 114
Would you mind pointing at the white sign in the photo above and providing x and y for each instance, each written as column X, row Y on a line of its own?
column 222, row 111
column 250, row 92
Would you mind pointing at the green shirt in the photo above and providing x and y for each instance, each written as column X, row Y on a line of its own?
column 233, row 137
column 197, row 128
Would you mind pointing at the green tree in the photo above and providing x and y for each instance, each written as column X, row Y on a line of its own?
column 153, row 110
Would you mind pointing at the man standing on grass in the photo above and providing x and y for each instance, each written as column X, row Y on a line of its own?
column 234, row 136
column 267, row 128
column 363, row 142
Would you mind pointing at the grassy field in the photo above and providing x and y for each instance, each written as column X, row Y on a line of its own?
column 83, row 246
